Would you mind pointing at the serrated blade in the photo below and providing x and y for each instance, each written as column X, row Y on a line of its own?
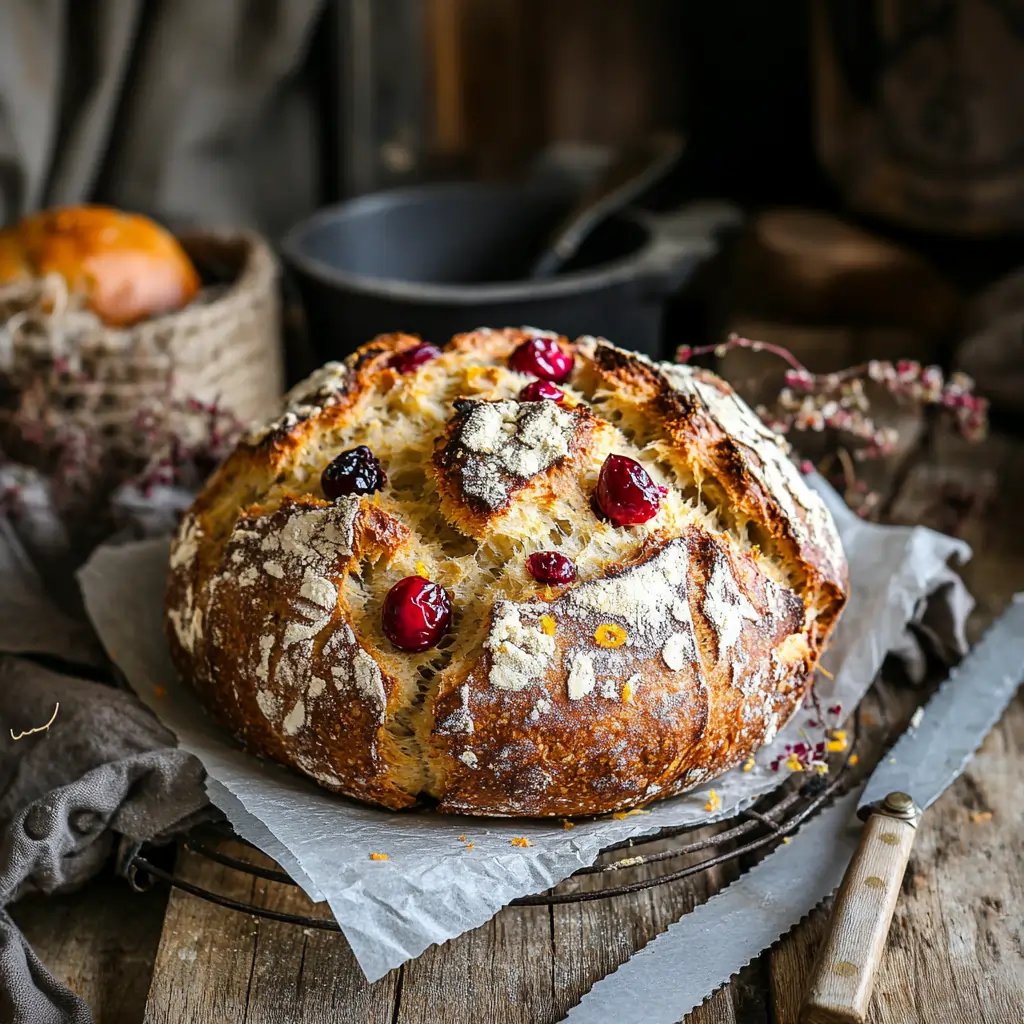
column 931, row 755
column 677, row 970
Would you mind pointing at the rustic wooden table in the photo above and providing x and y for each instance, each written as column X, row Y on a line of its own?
column 955, row 953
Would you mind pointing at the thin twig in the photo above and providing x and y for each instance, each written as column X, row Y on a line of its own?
column 38, row 728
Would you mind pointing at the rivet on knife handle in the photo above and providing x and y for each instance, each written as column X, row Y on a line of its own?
column 844, row 973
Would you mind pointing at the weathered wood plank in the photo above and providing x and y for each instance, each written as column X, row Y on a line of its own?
column 955, row 947
column 500, row 972
column 526, row 965
column 592, row 939
column 219, row 965
column 101, row 942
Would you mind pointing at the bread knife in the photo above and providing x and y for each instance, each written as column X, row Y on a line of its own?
column 698, row 954
column 927, row 759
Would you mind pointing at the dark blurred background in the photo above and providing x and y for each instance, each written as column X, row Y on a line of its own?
column 899, row 124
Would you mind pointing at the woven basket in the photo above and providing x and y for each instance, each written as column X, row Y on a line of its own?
column 62, row 368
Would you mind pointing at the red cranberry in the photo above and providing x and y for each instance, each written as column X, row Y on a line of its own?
column 539, row 391
column 416, row 613
column 356, row 471
column 543, row 358
column 550, row 567
column 413, row 358
column 625, row 493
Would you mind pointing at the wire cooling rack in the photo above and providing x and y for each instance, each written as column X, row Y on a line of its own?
column 753, row 830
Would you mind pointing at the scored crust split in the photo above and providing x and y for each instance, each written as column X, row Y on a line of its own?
column 682, row 647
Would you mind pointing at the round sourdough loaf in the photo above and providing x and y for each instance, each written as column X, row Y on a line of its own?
column 680, row 648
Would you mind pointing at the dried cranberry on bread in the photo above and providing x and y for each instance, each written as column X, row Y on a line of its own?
column 126, row 267
column 685, row 583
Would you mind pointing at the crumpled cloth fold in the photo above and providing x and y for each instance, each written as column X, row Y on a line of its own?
column 102, row 773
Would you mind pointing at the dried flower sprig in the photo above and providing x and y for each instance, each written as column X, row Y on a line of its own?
column 172, row 441
column 839, row 401
column 178, row 459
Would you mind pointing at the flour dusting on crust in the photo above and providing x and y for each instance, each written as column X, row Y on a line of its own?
column 500, row 444
column 307, row 399
column 774, row 469
column 646, row 598
column 520, row 653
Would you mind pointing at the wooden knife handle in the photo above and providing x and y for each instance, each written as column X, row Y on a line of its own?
column 844, row 973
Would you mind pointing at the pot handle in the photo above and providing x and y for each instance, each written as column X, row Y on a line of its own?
column 680, row 241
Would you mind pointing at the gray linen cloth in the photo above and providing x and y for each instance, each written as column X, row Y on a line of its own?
column 199, row 113
column 104, row 773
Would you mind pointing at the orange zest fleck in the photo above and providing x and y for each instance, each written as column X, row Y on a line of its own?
column 748, row 765
column 547, row 623
column 793, row 763
column 714, row 802
column 159, row 691
column 566, row 823
column 836, row 741
column 785, row 839
column 421, row 570
column 378, row 856
column 979, row 816
column 462, row 839
column 627, row 693
column 469, row 846
column 520, row 841
column 825, row 672
column 609, row 635
column 821, row 768
column 853, row 760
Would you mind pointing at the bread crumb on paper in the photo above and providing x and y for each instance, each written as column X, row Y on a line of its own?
column 636, row 810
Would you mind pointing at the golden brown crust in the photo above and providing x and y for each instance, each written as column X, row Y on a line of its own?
column 642, row 730
column 681, row 649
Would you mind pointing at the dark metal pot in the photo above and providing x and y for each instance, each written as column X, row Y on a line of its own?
column 440, row 259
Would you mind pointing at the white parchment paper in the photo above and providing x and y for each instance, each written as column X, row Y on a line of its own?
column 433, row 886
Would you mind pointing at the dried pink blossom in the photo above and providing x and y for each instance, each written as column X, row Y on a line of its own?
column 838, row 406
